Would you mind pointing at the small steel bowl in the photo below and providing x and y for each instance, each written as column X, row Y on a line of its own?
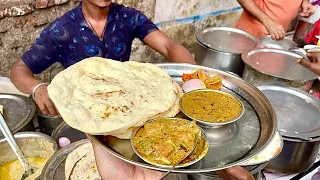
column 207, row 124
column 204, row 152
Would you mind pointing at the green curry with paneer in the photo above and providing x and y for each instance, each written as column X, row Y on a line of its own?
column 166, row 141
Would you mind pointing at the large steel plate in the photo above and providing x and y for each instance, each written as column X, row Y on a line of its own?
column 229, row 145
column 18, row 111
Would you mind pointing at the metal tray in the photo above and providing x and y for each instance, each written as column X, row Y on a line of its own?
column 228, row 146
column 18, row 111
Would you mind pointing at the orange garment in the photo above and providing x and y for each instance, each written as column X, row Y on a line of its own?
column 280, row 11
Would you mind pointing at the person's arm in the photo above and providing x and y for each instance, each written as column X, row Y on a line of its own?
column 276, row 30
column 38, row 58
column 173, row 51
column 144, row 29
column 24, row 80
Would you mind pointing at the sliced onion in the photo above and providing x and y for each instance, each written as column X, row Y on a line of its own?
column 193, row 84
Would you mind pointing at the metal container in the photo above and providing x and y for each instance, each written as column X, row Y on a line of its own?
column 221, row 48
column 48, row 123
column 18, row 111
column 229, row 145
column 199, row 157
column 32, row 144
column 300, row 32
column 285, row 44
column 276, row 67
column 54, row 168
column 64, row 130
column 207, row 124
column 254, row 170
column 297, row 156
column 298, row 114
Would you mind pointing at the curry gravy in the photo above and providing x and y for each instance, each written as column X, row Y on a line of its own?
column 211, row 106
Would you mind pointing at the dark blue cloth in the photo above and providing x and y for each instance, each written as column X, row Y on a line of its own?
column 69, row 39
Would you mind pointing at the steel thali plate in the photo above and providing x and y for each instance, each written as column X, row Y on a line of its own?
column 229, row 145
column 18, row 111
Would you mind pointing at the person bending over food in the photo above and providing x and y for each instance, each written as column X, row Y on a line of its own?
column 94, row 28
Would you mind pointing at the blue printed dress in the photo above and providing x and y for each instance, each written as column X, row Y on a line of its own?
column 69, row 39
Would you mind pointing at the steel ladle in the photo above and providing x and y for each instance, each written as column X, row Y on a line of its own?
column 28, row 170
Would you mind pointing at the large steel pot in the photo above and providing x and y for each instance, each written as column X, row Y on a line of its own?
column 298, row 115
column 221, row 48
column 48, row 123
column 296, row 156
column 254, row 170
column 32, row 144
column 267, row 66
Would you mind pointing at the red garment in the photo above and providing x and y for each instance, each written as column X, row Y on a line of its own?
column 315, row 31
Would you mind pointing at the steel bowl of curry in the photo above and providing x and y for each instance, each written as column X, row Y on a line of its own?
column 211, row 108
column 166, row 141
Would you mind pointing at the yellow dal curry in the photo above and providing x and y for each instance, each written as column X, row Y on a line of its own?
column 166, row 141
column 13, row 170
column 211, row 106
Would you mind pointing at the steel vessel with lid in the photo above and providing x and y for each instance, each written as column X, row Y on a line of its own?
column 221, row 48
column 298, row 115
column 276, row 67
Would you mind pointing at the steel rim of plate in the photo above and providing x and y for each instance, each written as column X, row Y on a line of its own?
column 21, row 123
column 26, row 135
column 163, row 166
column 175, row 70
column 52, row 165
column 203, row 43
column 62, row 129
column 267, row 41
column 246, row 56
column 212, row 124
column 262, row 162
column 302, row 95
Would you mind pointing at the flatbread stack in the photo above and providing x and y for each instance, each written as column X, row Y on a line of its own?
column 80, row 164
column 106, row 97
